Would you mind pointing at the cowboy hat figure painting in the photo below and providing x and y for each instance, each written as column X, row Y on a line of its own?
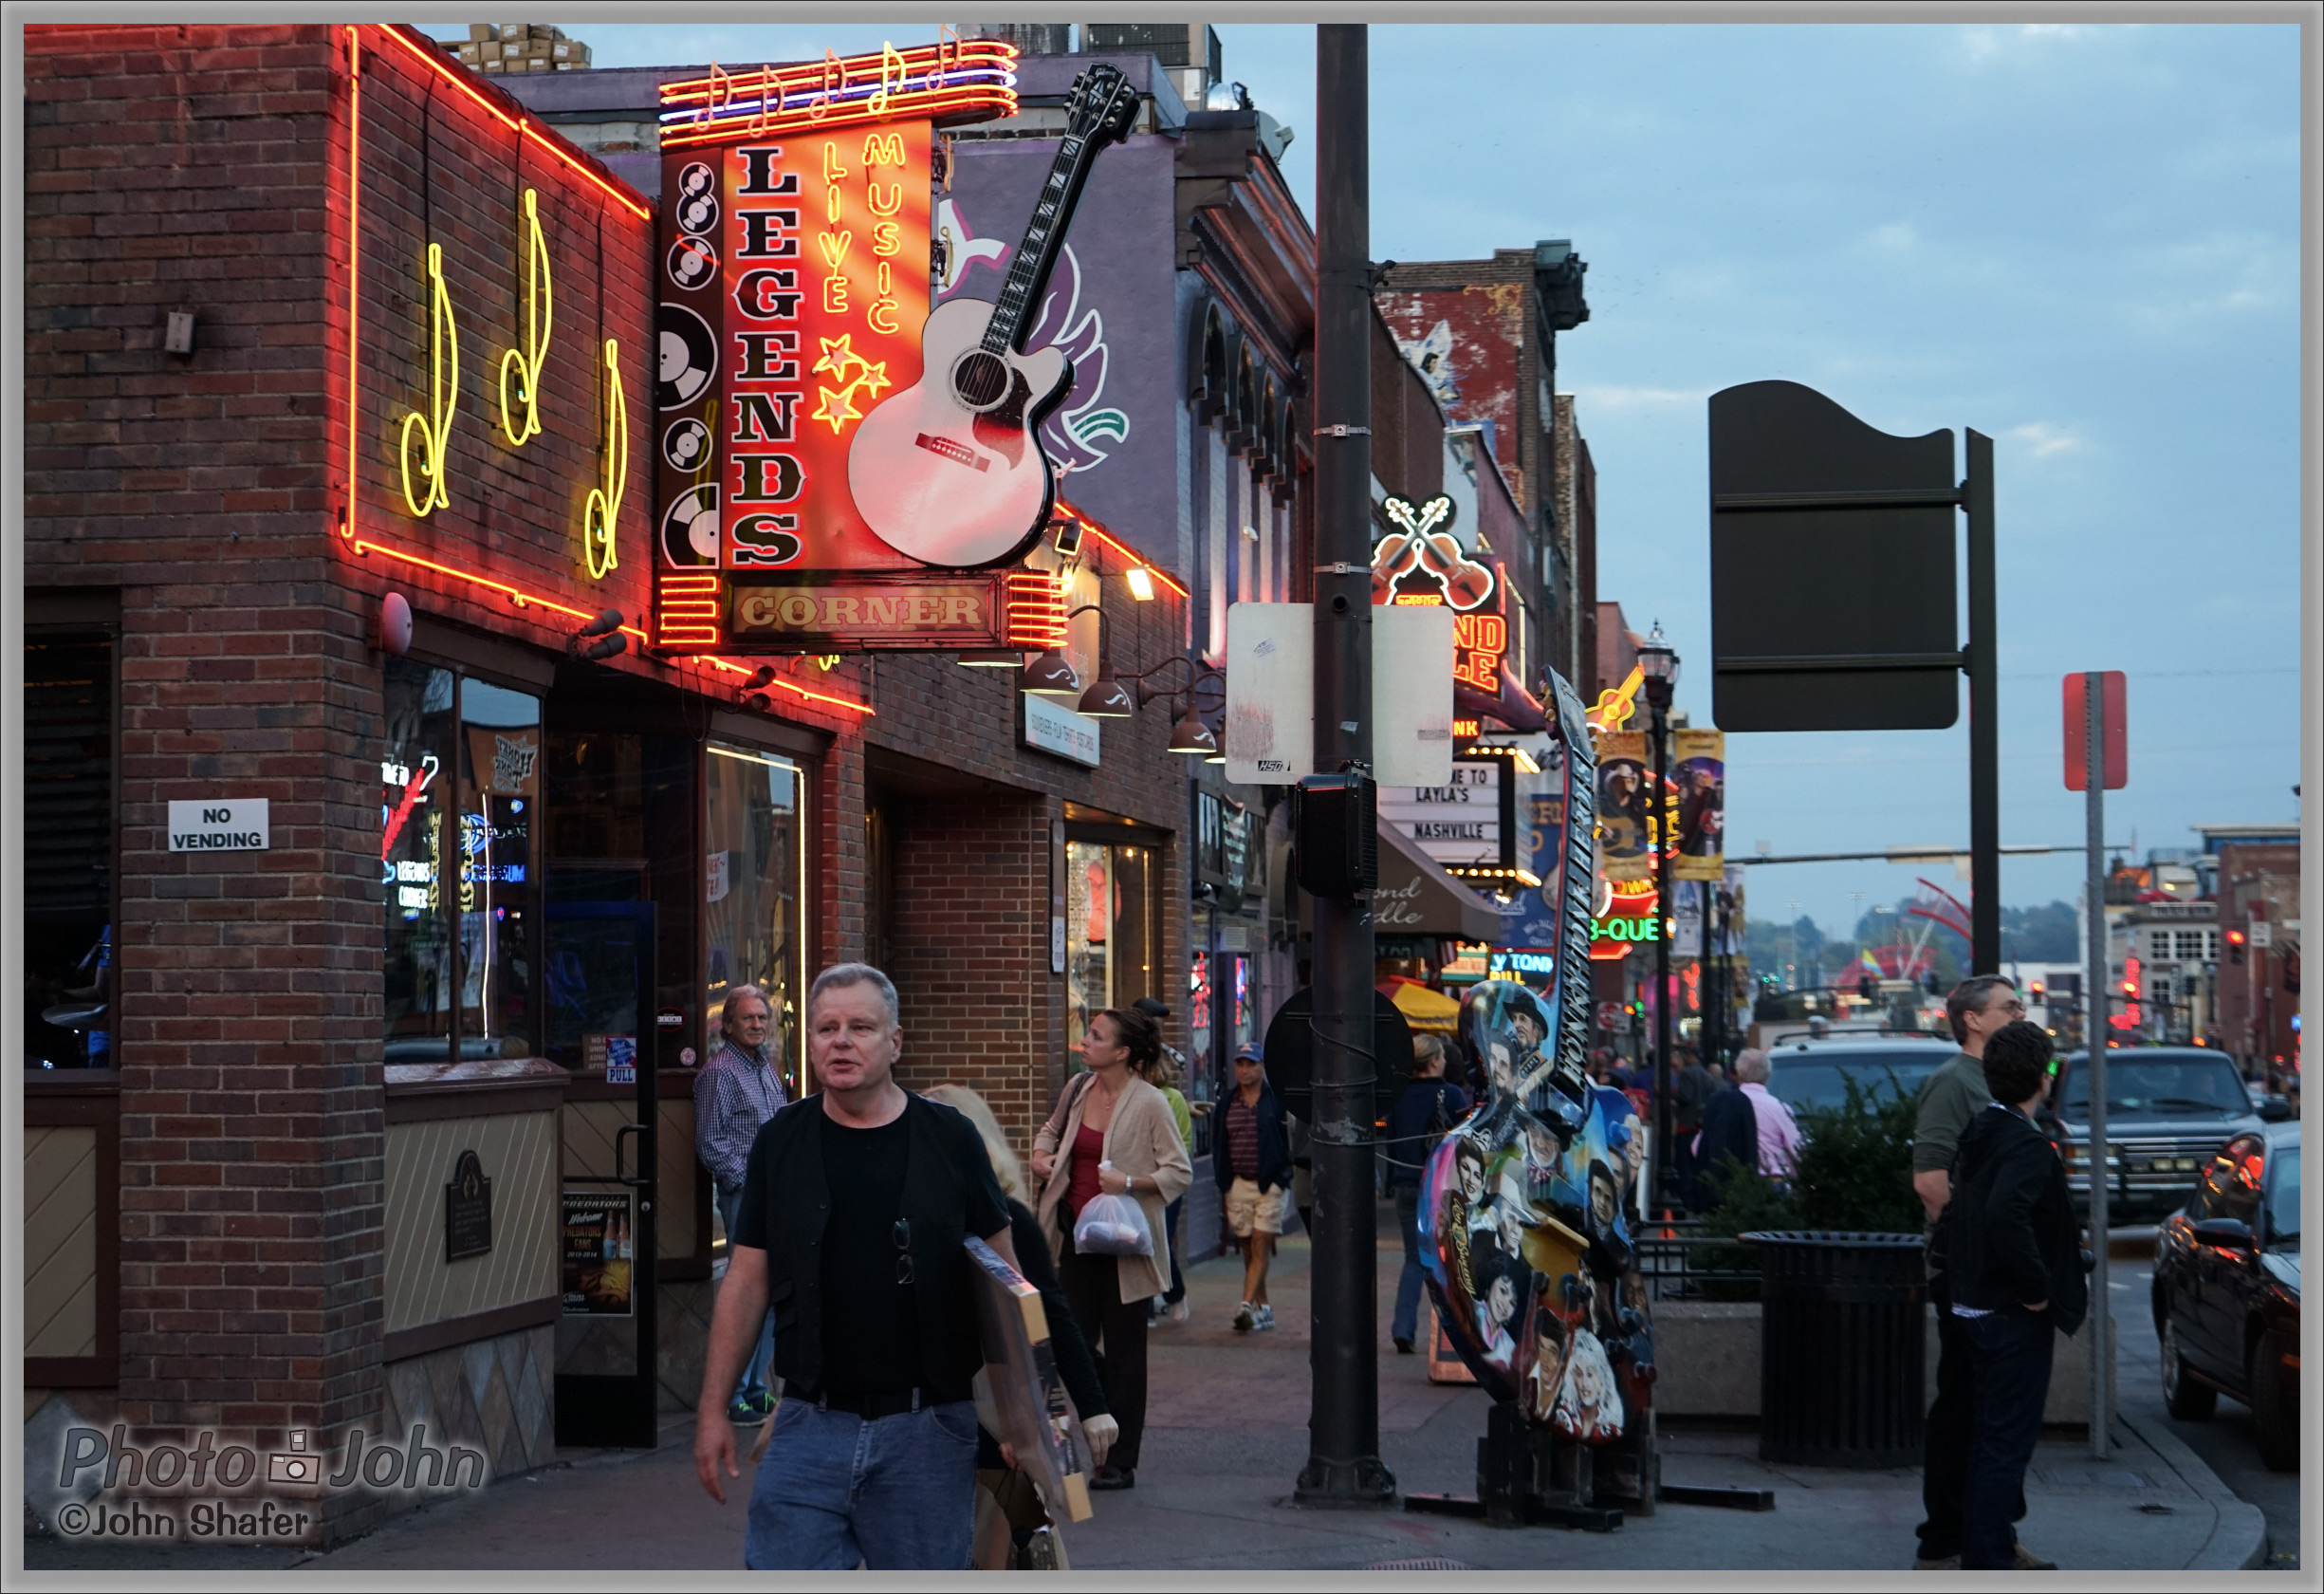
column 1524, row 1226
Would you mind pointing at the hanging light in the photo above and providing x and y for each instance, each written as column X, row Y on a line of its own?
column 1107, row 698
column 1191, row 737
column 992, row 660
column 1050, row 675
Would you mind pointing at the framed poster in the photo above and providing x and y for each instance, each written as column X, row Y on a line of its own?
column 598, row 1253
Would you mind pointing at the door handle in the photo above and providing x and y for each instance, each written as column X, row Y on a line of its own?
column 641, row 1180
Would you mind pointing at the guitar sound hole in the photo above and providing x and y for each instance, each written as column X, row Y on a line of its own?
column 981, row 378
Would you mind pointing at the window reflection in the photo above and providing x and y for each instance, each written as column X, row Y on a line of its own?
column 499, row 888
column 416, row 793
column 753, row 902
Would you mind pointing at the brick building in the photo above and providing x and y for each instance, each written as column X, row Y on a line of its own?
column 487, row 867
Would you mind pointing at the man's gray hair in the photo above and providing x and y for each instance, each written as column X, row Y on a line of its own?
column 738, row 993
column 855, row 973
column 1751, row 1066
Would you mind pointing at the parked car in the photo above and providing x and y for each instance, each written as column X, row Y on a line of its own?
column 2169, row 1109
column 1806, row 1074
column 2226, row 1291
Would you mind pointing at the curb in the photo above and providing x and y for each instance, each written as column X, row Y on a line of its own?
column 2239, row 1539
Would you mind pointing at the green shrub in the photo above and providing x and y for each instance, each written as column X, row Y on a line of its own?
column 1856, row 1166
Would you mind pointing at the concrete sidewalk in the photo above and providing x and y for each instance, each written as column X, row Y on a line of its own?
column 1227, row 1435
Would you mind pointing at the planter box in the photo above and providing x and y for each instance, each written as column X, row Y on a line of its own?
column 1706, row 1357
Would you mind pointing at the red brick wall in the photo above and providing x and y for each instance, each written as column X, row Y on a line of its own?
column 186, row 166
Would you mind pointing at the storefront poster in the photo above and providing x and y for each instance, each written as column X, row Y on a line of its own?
column 598, row 1254
column 1699, row 772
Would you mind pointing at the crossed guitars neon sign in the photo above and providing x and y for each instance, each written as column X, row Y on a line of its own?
column 425, row 458
column 1420, row 543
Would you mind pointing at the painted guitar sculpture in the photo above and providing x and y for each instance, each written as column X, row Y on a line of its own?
column 951, row 470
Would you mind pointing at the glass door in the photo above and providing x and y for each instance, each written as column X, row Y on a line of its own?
column 602, row 988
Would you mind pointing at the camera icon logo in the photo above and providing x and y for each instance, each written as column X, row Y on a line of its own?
column 299, row 1465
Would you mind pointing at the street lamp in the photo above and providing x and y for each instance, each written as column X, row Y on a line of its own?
column 1106, row 698
column 1658, row 672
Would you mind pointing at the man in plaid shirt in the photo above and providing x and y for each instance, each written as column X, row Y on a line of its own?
column 734, row 1098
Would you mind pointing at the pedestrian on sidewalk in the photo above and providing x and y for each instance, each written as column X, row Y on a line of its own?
column 734, row 1097
column 1015, row 1507
column 1112, row 1132
column 1975, row 1009
column 1251, row 1158
column 855, row 1209
column 1422, row 1115
column 1168, row 1075
column 1777, row 1148
column 2014, row 1256
column 1692, row 1086
column 1728, row 1146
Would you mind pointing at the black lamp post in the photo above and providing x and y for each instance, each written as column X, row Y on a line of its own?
column 1658, row 668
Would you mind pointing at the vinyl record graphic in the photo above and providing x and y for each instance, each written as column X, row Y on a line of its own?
column 689, row 357
column 697, row 208
column 690, row 530
column 687, row 444
column 693, row 263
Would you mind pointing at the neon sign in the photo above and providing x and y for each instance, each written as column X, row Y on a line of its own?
column 1420, row 554
column 602, row 509
column 443, row 395
column 1616, row 703
column 953, row 80
column 539, row 304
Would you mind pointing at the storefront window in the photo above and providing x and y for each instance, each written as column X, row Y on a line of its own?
column 499, row 885
column 1110, row 940
column 69, row 846
column 415, row 795
column 754, row 869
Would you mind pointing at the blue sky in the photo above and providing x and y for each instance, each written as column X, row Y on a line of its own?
column 2081, row 240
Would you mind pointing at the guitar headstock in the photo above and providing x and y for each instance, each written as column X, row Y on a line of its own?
column 1102, row 105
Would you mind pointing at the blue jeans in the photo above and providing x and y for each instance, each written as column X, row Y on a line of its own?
column 835, row 1491
column 1405, row 1325
column 762, row 1359
column 2011, row 1350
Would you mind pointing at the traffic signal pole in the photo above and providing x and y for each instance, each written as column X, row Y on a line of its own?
column 1343, row 1426
column 1984, row 712
column 2094, row 1028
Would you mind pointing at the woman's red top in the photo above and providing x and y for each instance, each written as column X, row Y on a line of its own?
column 1088, row 1151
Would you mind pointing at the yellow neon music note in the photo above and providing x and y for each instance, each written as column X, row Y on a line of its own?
column 443, row 396
column 526, row 362
column 603, row 507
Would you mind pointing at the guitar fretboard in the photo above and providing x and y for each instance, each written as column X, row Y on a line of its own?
column 1029, row 273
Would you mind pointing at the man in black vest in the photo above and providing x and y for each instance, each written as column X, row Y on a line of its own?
column 854, row 1214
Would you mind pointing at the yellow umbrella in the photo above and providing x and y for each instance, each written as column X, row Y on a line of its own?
column 1428, row 1010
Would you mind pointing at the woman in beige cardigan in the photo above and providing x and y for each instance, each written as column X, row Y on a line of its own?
column 1114, row 1133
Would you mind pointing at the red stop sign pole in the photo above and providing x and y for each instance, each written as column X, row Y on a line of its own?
column 2096, row 738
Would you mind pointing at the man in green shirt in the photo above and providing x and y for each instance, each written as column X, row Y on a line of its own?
column 1955, row 1093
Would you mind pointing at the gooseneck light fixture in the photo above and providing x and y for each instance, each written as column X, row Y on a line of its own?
column 1106, row 698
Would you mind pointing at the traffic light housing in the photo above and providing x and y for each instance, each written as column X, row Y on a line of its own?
column 2235, row 938
column 2038, row 991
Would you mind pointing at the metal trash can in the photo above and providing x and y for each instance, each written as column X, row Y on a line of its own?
column 1841, row 1347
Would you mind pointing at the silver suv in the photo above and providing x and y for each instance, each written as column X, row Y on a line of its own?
column 2169, row 1109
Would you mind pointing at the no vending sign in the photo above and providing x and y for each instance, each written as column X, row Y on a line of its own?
column 219, row 825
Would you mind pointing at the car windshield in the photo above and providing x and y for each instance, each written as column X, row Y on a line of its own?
column 2165, row 1086
column 2283, row 1196
column 1813, row 1079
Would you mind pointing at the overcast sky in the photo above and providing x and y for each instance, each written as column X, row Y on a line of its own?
column 2081, row 240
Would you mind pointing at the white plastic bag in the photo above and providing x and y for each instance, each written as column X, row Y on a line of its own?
column 1113, row 1226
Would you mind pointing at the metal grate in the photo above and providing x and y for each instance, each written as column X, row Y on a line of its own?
column 1422, row 1563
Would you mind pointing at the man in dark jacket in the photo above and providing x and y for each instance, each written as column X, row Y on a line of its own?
column 2013, row 1254
column 1730, row 1130
column 1252, row 1158
column 1428, row 1107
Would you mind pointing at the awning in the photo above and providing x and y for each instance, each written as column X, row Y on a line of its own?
column 1425, row 1010
column 1417, row 897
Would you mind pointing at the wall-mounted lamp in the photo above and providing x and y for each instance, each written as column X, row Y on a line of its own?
column 1141, row 582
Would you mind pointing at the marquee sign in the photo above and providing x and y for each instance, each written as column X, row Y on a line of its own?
column 810, row 493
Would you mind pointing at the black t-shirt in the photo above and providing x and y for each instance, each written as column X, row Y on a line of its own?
column 879, row 1347
column 871, row 1337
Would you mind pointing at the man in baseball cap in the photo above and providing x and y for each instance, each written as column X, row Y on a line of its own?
column 1253, row 1163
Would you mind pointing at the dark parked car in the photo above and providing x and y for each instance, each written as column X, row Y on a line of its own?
column 2169, row 1109
column 1804, row 1074
column 2226, row 1291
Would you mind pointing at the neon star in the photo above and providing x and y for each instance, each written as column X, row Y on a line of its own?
column 837, row 357
column 873, row 378
column 836, row 408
